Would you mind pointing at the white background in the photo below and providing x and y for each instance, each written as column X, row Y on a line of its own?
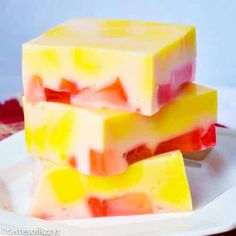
column 21, row 20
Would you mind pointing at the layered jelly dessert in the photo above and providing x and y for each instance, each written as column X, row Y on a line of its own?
column 110, row 107
column 154, row 185
column 105, row 142
column 128, row 65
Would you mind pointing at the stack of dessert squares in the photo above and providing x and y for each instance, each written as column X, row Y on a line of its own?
column 110, row 110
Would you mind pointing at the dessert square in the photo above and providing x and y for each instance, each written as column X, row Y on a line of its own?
column 119, row 64
column 105, row 142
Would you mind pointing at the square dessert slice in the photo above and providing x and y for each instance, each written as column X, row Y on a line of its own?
column 105, row 141
column 129, row 65
column 155, row 185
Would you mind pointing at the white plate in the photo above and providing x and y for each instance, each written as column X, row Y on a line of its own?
column 213, row 187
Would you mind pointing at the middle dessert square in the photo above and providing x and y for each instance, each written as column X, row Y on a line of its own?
column 105, row 142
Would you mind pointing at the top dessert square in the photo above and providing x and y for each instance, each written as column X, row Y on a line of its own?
column 120, row 64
